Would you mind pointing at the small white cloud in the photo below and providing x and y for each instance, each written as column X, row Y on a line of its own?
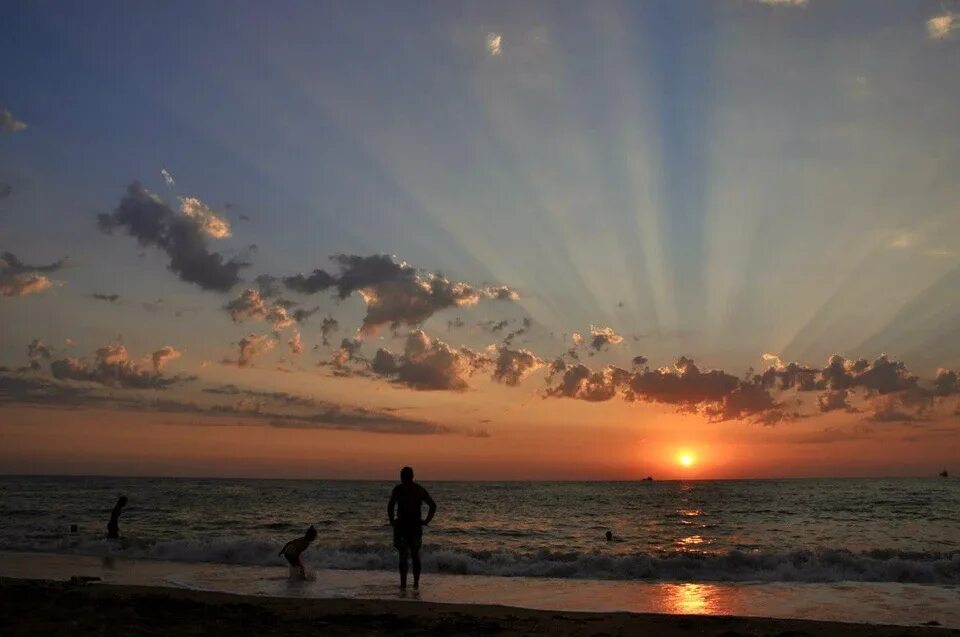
column 495, row 43
column 167, row 177
column 939, row 27
column 785, row 3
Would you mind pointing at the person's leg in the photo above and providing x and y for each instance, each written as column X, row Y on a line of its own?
column 403, row 568
column 415, row 555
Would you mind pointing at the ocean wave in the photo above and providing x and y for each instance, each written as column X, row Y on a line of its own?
column 820, row 565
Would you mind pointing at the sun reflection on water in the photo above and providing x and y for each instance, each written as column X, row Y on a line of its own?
column 691, row 599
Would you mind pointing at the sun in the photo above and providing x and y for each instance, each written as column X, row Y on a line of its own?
column 686, row 459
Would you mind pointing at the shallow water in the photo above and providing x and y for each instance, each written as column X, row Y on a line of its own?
column 883, row 530
column 883, row 603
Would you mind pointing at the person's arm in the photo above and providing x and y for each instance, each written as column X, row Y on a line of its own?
column 433, row 507
column 392, row 505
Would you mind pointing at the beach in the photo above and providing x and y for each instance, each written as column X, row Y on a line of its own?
column 43, row 607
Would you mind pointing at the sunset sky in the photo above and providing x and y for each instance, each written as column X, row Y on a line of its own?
column 495, row 240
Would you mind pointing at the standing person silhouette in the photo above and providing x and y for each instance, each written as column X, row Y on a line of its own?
column 404, row 512
column 113, row 526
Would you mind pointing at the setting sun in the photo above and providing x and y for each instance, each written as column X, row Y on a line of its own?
column 686, row 459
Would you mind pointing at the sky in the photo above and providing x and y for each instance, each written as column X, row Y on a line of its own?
column 494, row 240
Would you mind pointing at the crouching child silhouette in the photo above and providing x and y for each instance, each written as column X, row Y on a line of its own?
column 404, row 512
column 294, row 548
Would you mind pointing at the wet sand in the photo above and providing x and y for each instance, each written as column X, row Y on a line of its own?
column 41, row 607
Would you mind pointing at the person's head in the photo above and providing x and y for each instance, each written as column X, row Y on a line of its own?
column 609, row 535
column 406, row 475
column 122, row 501
column 311, row 533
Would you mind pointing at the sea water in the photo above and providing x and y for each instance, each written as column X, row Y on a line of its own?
column 868, row 537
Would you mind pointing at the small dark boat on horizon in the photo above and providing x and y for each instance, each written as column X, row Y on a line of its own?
column 944, row 474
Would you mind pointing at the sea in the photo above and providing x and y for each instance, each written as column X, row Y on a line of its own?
column 816, row 548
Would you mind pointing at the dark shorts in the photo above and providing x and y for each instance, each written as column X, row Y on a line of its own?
column 294, row 560
column 407, row 537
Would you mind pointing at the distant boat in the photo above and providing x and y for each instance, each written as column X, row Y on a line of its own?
column 944, row 474
column 647, row 479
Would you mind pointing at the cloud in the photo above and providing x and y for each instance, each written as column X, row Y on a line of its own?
column 833, row 400
column 252, row 407
column 20, row 279
column 167, row 177
column 512, row 366
column 941, row 26
column 5, row 190
column 10, row 124
column 495, row 44
column 162, row 356
column 209, row 220
column 295, row 343
column 146, row 217
column 348, row 351
column 600, row 337
column 109, row 298
column 37, row 351
column 428, row 364
column 579, row 381
column 300, row 314
column 395, row 293
column 327, row 326
column 525, row 326
column 712, row 393
column 249, row 305
column 112, row 367
column 577, row 339
column 252, row 346
column 784, row 3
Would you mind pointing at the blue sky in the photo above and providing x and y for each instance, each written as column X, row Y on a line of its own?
column 717, row 179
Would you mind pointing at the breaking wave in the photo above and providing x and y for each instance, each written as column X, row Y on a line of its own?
column 820, row 565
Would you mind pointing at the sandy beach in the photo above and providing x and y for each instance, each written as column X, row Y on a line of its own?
column 43, row 607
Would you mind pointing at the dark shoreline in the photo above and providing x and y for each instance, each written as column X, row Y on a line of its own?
column 41, row 607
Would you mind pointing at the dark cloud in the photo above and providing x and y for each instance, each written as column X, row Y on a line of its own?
column 455, row 324
column 396, row 294
column 429, row 364
column 525, row 326
column 601, row 337
column 252, row 407
column 37, row 352
column 21, row 279
column 9, row 123
column 300, row 315
column 493, row 326
column 269, row 286
column 183, row 236
column 5, row 190
column 712, row 393
column 327, row 327
column 512, row 366
column 579, row 381
column 109, row 298
column 252, row 346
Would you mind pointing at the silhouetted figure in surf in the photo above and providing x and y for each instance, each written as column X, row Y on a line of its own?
column 294, row 548
column 404, row 512
column 609, row 536
column 113, row 526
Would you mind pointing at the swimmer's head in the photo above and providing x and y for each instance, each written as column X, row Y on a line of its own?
column 311, row 533
column 609, row 535
column 406, row 475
